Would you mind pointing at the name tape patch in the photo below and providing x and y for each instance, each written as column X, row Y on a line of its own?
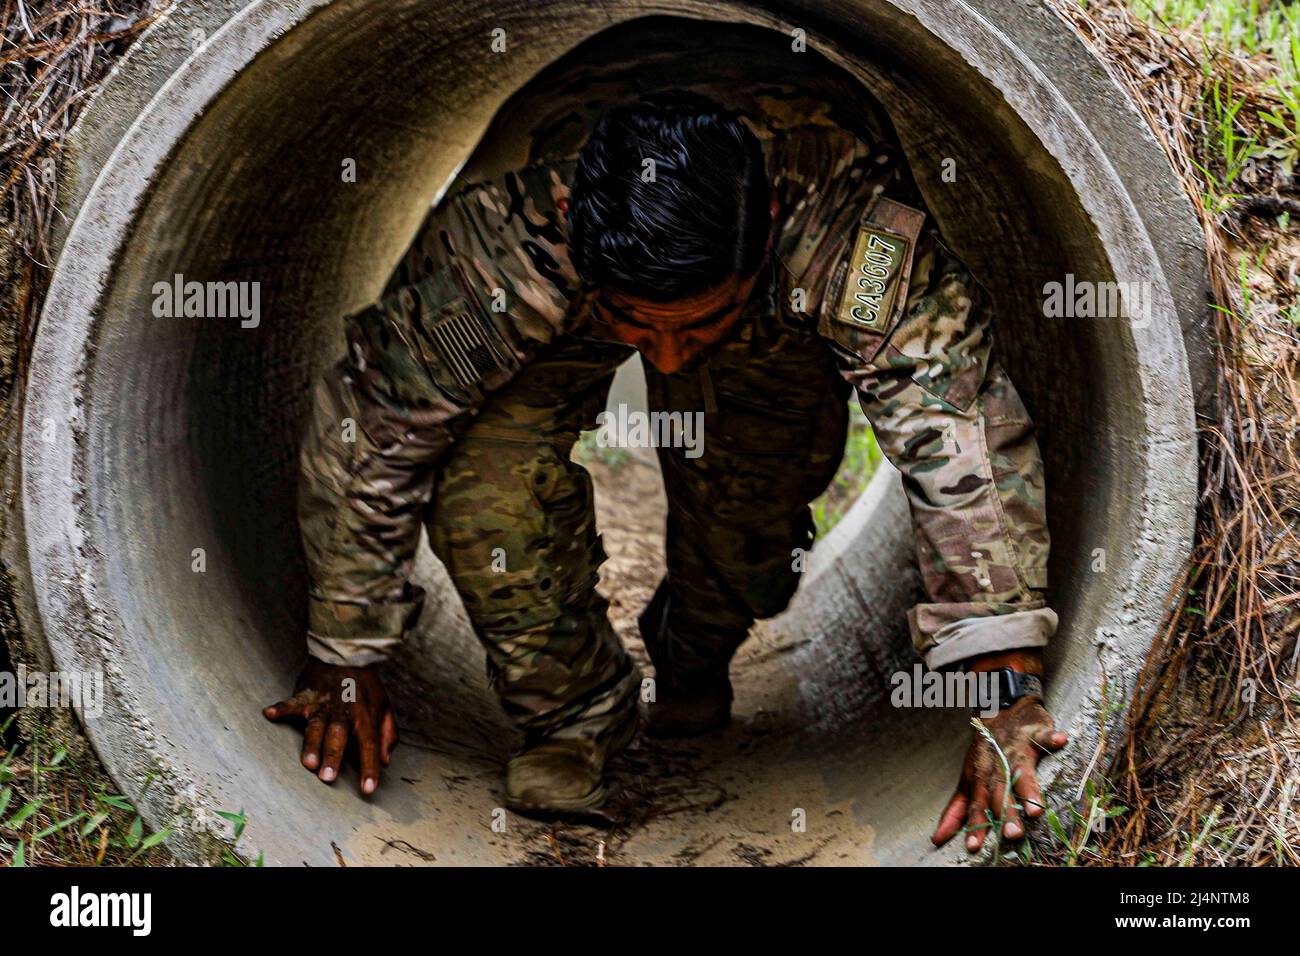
column 871, row 286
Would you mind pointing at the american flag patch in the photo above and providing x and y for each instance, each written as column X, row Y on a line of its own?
column 465, row 345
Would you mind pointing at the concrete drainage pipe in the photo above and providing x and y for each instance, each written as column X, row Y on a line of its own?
column 214, row 151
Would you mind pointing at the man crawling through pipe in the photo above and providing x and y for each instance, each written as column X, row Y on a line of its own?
column 761, row 273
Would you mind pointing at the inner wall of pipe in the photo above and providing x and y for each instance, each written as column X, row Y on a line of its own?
column 196, row 426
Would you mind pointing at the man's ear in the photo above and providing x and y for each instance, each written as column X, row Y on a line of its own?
column 774, row 208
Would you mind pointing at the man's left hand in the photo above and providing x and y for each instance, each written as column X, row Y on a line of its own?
column 1026, row 733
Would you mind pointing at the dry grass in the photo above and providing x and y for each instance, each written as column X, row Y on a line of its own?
column 1211, row 761
column 57, row 805
column 52, row 57
column 58, row 808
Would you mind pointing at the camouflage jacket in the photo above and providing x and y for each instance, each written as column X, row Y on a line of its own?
column 488, row 285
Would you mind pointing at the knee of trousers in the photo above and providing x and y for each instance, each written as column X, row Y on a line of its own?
column 739, row 574
column 733, row 605
column 514, row 524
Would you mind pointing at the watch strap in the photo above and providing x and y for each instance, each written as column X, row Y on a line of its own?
column 1012, row 686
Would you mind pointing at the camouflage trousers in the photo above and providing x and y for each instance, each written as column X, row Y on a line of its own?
column 513, row 520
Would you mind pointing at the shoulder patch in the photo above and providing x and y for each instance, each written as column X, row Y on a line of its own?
column 469, row 345
column 879, row 267
column 875, row 269
column 462, row 349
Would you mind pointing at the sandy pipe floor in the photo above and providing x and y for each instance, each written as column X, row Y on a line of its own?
column 222, row 162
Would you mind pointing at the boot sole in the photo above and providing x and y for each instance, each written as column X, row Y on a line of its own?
column 591, row 801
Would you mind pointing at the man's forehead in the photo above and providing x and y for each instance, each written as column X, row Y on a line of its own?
column 690, row 312
column 695, row 319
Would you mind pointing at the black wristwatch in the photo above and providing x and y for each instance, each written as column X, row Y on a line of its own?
column 1013, row 685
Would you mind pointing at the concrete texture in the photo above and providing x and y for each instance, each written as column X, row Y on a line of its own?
column 214, row 151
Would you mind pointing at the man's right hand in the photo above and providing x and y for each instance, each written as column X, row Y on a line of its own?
column 336, row 703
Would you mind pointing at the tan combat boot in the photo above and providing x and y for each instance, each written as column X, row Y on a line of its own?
column 564, row 774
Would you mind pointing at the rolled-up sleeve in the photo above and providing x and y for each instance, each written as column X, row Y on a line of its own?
column 949, row 419
column 375, row 433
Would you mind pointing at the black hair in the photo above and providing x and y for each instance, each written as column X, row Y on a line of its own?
column 705, row 215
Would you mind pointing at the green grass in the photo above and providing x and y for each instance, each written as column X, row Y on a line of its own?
column 1222, row 139
column 861, row 457
column 588, row 450
column 1253, row 28
column 60, row 810
column 1089, row 820
column 1250, row 26
column 50, row 814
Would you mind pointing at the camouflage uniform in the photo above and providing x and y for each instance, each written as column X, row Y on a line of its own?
column 468, row 382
